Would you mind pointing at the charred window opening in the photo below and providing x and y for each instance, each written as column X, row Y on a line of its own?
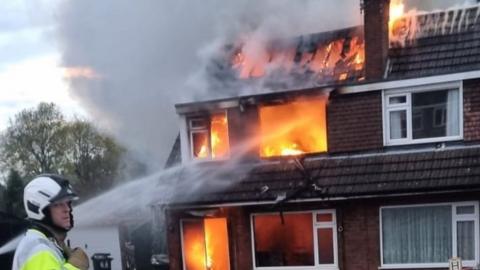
column 205, row 244
column 209, row 136
column 295, row 239
column 293, row 128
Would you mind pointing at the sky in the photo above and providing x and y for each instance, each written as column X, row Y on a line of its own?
column 124, row 64
column 29, row 60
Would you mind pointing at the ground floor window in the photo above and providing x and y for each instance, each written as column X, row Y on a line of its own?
column 429, row 235
column 205, row 244
column 295, row 239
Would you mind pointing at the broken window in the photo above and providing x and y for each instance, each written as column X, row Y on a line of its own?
column 295, row 239
column 429, row 235
column 205, row 244
column 422, row 115
column 209, row 136
column 293, row 128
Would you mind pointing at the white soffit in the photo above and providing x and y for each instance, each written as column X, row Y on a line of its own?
column 409, row 82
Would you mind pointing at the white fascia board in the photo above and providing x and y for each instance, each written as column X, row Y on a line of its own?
column 410, row 82
column 210, row 106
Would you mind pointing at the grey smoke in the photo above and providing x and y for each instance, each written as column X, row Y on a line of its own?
column 150, row 54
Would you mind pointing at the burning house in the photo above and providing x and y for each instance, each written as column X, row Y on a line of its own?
column 368, row 157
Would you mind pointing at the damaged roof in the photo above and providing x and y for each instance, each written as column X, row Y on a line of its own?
column 445, row 42
column 435, row 43
column 348, row 176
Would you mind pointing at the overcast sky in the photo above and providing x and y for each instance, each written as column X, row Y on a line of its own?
column 126, row 63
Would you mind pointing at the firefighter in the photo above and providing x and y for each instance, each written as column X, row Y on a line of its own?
column 48, row 202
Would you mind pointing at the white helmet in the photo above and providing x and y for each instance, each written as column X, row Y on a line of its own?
column 44, row 190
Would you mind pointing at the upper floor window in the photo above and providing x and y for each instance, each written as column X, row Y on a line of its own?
column 209, row 136
column 293, row 128
column 419, row 115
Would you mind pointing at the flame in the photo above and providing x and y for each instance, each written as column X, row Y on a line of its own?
column 216, row 138
column 395, row 24
column 205, row 244
column 219, row 136
column 327, row 60
column 397, row 9
column 294, row 128
column 203, row 153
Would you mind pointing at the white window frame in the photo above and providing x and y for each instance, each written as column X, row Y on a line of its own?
column 315, row 225
column 407, row 92
column 184, row 265
column 191, row 130
column 455, row 218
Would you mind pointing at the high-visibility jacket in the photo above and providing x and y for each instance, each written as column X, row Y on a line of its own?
column 37, row 252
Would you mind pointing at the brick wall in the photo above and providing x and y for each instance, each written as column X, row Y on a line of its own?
column 172, row 220
column 240, row 239
column 471, row 110
column 360, row 236
column 355, row 122
column 358, row 221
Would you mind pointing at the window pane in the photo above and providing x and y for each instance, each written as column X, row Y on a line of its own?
column 194, row 245
column 219, row 136
column 465, row 240
column 398, row 125
column 283, row 242
column 325, row 245
column 438, row 112
column 324, row 217
column 397, row 100
column 417, row 234
column 198, row 123
column 200, row 144
column 466, row 209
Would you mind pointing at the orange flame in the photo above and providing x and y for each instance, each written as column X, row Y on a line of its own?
column 397, row 9
column 212, row 142
column 328, row 59
column 294, row 128
column 219, row 136
column 395, row 24
column 205, row 244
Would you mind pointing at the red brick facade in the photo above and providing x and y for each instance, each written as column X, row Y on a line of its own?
column 471, row 110
column 355, row 122
column 358, row 229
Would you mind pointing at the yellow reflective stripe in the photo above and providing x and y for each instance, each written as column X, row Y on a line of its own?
column 45, row 260
column 70, row 267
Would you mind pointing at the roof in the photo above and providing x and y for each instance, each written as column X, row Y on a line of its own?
column 347, row 176
column 444, row 42
column 303, row 62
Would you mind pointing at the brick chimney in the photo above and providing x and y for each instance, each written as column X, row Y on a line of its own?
column 376, row 13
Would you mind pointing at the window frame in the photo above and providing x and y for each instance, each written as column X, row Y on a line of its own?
column 207, row 129
column 455, row 218
column 407, row 106
column 315, row 225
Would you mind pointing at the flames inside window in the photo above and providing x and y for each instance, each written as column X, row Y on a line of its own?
column 293, row 128
column 205, row 244
column 209, row 136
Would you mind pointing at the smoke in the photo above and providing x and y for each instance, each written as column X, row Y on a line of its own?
column 142, row 57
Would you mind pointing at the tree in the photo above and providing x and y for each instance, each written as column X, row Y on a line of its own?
column 2, row 198
column 40, row 140
column 93, row 158
column 34, row 142
column 14, row 194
